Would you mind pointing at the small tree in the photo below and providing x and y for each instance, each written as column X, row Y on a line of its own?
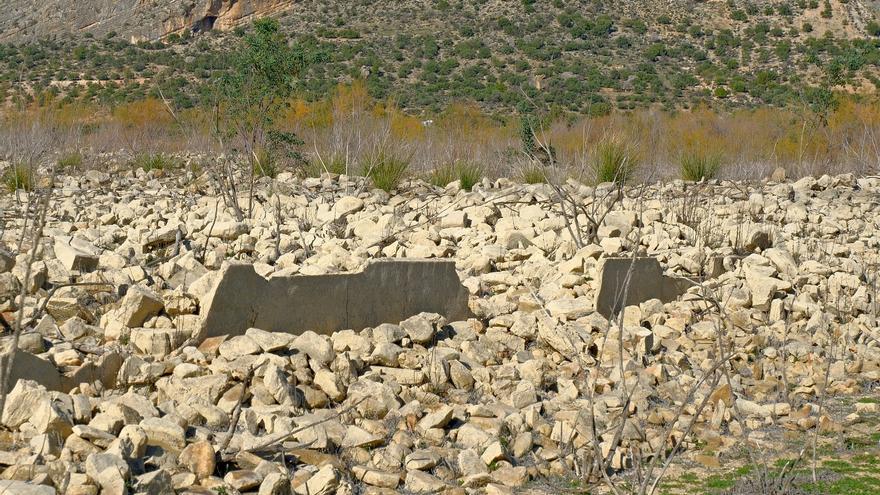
column 250, row 97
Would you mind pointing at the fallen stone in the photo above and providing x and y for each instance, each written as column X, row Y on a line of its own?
column 13, row 487
column 7, row 261
column 138, row 304
column 110, row 471
column 76, row 254
column 162, row 432
column 375, row 477
column 199, row 459
column 422, row 482
column 26, row 366
column 275, row 484
column 324, row 482
column 243, row 479
column 156, row 482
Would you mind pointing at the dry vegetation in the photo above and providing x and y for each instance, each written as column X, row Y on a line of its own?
column 346, row 132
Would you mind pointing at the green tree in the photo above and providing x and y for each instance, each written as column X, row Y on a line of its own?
column 250, row 97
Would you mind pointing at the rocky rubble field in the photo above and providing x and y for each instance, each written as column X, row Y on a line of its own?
column 778, row 320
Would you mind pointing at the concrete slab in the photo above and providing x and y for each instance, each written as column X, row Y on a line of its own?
column 646, row 281
column 386, row 291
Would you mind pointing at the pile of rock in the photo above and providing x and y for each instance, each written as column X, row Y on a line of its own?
column 775, row 284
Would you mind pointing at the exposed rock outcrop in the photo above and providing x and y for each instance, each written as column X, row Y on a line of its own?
column 131, row 19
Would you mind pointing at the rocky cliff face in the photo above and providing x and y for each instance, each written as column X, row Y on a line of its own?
column 22, row 20
column 206, row 15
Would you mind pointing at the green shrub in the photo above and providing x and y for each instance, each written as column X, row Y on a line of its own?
column 386, row 170
column 613, row 161
column 70, row 161
column 18, row 176
column 699, row 165
column 152, row 161
column 533, row 174
column 467, row 174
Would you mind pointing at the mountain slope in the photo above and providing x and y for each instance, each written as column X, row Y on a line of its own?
column 577, row 55
column 137, row 20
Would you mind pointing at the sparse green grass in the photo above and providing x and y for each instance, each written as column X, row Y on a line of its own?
column 861, row 485
column 839, row 466
column 689, row 478
column 699, row 165
column 153, row 161
column 867, row 459
column 386, row 170
column 717, row 482
column 858, row 474
column 533, row 174
column 467, row 174
column 335, row 164
column 70, row 161
column 613, row 161
column 18, row 176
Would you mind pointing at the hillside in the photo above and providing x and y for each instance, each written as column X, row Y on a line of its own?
column 581, row 56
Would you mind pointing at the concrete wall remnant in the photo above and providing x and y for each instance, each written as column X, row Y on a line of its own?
column 646, row 282
column 385, row 291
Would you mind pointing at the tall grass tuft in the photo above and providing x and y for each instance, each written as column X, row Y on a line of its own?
column 18, row 176
column 533, row 174
column 467, row 174
column 153, row 161
column 613, row 161
column 699, row 165
column 386, row 170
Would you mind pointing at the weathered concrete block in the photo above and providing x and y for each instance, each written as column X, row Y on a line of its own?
column 646, row 281
column 385, row 291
